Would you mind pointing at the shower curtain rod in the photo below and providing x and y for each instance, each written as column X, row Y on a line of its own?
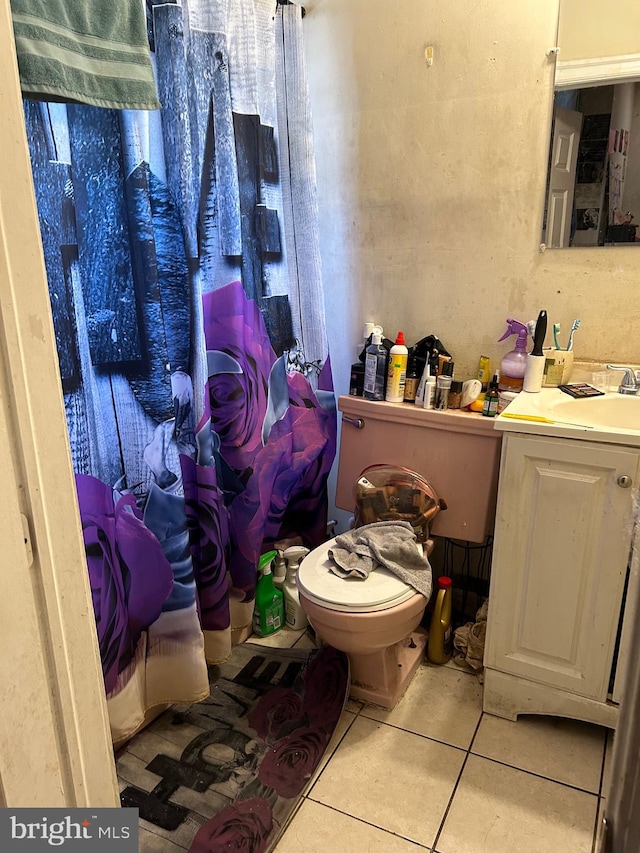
column 290, row 3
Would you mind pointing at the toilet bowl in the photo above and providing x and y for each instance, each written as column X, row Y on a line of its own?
column 374, row 621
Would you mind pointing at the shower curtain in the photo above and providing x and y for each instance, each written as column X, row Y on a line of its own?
column 182, row 257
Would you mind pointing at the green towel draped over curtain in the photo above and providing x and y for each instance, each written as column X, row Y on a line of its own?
column 89, row 52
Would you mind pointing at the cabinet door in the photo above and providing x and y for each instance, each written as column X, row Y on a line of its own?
column 563, row 533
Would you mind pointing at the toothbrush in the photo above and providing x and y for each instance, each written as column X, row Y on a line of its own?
column 556, row 331
column 574, row 326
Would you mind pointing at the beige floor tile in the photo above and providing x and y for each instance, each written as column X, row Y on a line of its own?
column 305, row 641
column 451, row 664
column 149, row 842
column 564, row 750
column 498, row 809
column 440, row 703
column 318, row 829
column 354, row 706
column 396, row 780
column 285, row 638
column 341, row 729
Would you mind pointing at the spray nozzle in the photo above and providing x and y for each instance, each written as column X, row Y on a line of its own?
column 266, row 560
column 376, row 335
column 515, row 327
column 294, row 556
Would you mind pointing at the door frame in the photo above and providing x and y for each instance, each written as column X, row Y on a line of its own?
column 55, row 743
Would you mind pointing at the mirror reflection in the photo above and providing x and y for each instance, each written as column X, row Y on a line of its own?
column 593, row 179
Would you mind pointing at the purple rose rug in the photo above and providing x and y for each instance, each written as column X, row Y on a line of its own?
column 226, row 774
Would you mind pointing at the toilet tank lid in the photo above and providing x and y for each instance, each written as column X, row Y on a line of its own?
column 379, row 591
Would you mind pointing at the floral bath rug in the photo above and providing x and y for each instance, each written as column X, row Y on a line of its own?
column 226, row 774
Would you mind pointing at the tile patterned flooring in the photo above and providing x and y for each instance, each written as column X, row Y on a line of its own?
column 437, row 774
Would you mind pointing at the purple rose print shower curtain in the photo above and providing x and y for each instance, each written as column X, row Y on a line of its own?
column 182, row 258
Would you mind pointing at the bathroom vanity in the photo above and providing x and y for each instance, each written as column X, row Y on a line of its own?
column 458, row 452
column 563, row 558
column 563, row 562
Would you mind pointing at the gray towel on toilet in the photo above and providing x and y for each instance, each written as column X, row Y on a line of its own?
column 391, row 544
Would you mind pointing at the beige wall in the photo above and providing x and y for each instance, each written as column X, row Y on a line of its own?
column 593, row 28
column 431, row 181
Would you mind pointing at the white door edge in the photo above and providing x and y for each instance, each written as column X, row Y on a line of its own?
column 55, row 745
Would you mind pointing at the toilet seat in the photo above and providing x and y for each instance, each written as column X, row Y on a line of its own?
column 381, row 590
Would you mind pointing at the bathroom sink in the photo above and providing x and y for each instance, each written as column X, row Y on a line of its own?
column 613, row 418
column 613, row 411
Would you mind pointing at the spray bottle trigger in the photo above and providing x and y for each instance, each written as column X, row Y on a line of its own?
column 514, row 327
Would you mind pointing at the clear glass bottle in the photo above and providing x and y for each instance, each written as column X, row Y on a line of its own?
column 455, row 395
column 411, row 382
column 491, row 399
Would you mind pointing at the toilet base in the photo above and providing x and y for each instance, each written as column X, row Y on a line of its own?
column 382, row 677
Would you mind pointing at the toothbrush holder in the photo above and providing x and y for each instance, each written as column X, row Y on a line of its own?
column 557, row 367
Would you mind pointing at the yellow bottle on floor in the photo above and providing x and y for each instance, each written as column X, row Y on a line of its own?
column 440, row 645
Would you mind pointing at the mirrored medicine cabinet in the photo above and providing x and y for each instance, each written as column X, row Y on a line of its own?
column 593, row 174
column 592, row 193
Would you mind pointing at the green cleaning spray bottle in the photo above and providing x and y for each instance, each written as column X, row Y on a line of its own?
column 268, row 611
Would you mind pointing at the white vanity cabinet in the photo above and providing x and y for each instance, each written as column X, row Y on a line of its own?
column 564, row 523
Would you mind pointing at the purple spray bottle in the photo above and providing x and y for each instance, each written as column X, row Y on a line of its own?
column 514, row 362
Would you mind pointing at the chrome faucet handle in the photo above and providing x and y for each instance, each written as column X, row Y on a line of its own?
column 629, row 384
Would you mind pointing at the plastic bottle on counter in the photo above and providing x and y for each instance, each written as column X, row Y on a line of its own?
column 484, row 372
column 397, row 373
column 356, row 377
column 420, row 393
column 295, row 616
column 514, row 363
column 443, row 385
column 268, row 609
column 440, row 642
column 375, row 367
column 430, row 393
column 504, row 398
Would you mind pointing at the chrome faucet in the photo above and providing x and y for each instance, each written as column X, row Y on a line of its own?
column 629, row 384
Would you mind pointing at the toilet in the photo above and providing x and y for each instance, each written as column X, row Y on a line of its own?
column 374, row 621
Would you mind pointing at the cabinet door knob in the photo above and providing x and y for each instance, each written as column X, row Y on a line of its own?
column 358, row 423
column 624, row 481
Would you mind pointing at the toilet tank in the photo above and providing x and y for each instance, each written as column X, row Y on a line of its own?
column 458, row 452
